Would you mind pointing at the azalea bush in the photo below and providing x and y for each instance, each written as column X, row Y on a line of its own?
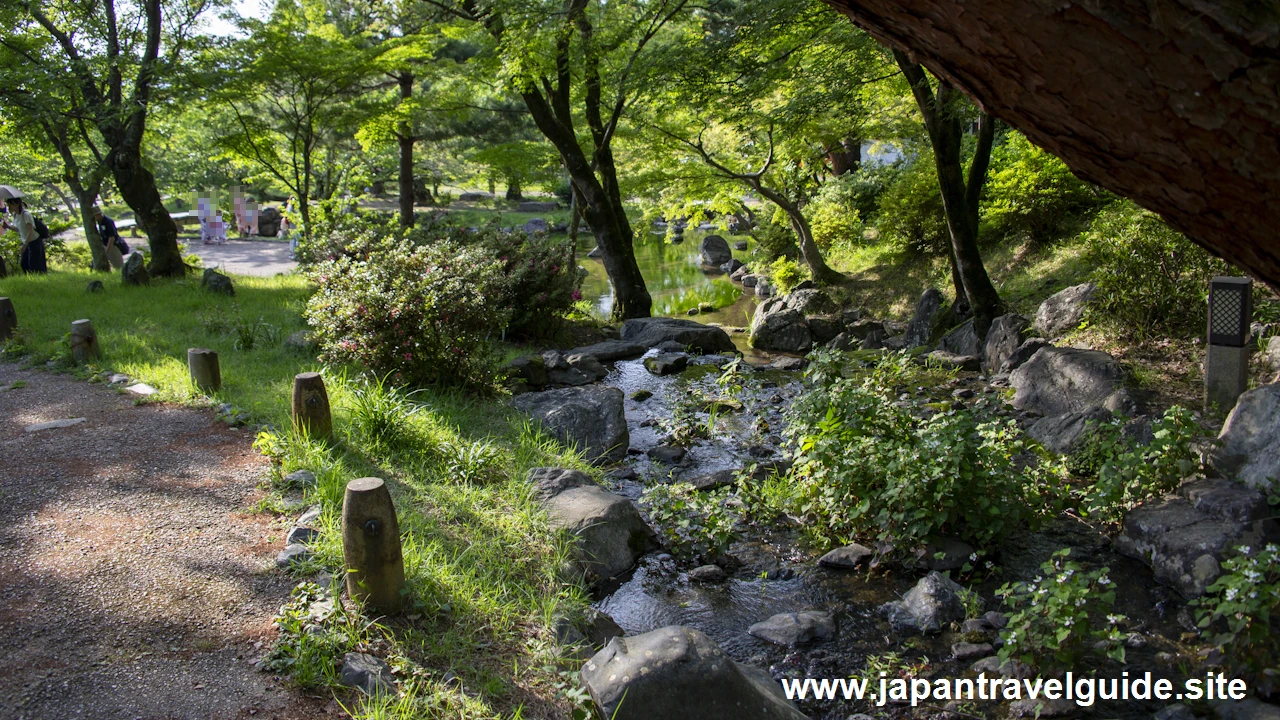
column 418, row 314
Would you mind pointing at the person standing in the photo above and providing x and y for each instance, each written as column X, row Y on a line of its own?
column 111, row 240
column 32, row 255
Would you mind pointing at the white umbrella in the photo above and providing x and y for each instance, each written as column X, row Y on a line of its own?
column 9, row 192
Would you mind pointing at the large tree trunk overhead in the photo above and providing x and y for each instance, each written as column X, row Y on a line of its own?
column 138, row 188
column 1173, row 103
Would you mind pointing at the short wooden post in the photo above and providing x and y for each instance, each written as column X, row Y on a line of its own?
column 311, row 405
column 84, row 341
column 371, row 545
column 8, row 318
column 203, row 365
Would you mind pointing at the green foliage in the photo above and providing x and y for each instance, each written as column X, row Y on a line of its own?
column 684, row 426
column 1150, row 277
column 1061, row 616
column 786, row 274
column 1032, row 193
column 381, row 414
column 691, row 524
column 1135, row 473
column 833, row 213
column 911, row 215
column 423, row 314
column 1237, row 611
column 773, row 241
column 315, row 632
column 866, row 467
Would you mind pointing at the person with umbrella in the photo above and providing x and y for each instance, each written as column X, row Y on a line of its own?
column 32, row 255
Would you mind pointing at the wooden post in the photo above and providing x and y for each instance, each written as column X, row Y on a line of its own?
column 8, row 319
column 311, row 405
column 84, row 341
column 203, row 365
column 371, row 545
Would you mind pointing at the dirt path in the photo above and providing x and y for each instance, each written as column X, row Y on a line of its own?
column 133, row 583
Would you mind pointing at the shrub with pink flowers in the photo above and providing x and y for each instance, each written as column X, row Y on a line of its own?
column 424, row 314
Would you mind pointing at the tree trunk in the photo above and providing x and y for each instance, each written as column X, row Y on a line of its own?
column 513, row 188
column 138, row 188
column 404, row 134
column 1171, row 103
column 66, row 199
column 809, row 250
column 97, row 251
column 845, row 157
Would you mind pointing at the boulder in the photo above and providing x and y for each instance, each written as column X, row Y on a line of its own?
column 134, row 271
column 946, row 553
column 573, row 369
column 875, row 340
column 1247, row 709
column 678, row 672
column 714, row 251
column 474, row 196
column 847, row 557
column 1003, row 340
column 537, row 207
column 216, row 282
column 667, row 454
column 774, row 326
column 1057, row 381
column 537, row 225
column 590, row 418
column 666, row 363
column 843, row 341
column 1065, row 433
column 293, row 555
column 962, row 340
column 764, row 288
column 1271, row 356
column 931, row 310
column 269, row 222
column 740, row 273
column 732, row 266
column 739, row 245
column 1063, row 310
column 748, row 280
column 700, row 338
column 1025, row 352
column 793, row 629
column 531, row 369
column 861, row 329
column 1185, row 537
column 594, row 253
column 951, row 361
column 591, row 628
column 824, row 328
column 715, row 480
column 1249, row 448
column 368, row 673
column 933, row 603
column 609, row 531
column 968, row 651
column 708, row 574
column 611, row 350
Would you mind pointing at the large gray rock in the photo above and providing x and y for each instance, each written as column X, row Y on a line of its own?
column 927, row 319
column 951, row 361
column 793, row 629
column 572, row 369
column 811, row 301
column 1185, row 537
column 1064, row 433
column 216, row 282
column 531, row 369
column 590, row 418
column 1057, row 381
column 1025, row 352
column 666, row 363
column 714, row 251
column 774, row 326
column 269, row 222
column 1003, row 340
column 1063, row 310
column 590, row 628
column 610, row 533
column 929, row 606
column 134, row 271
column 1271, row 356
column 962, row 340
column 537, row 225
column 1250, row 439
column 847, row 557
column 368, row 673
column 611, row 350
column 677, row 672
column 696, row 336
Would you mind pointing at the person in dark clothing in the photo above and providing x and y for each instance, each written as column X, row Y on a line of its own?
column 111, row 240
column 31, row 256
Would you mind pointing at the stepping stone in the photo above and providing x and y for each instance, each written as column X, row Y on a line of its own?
column 708, row 574
column 310, row 516
column 293, row 554
column 118, row 378
column 367, row 673
column 54, row 424
column 301, row 536
column 847, row 557
column 141, row 389
column 792, row 629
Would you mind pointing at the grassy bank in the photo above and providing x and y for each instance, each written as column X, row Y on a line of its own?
column 485, row 572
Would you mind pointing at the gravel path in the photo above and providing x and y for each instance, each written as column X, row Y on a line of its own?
column 133, row 581
column 264, row 258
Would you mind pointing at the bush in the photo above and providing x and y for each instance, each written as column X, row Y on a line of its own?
column 786, row 274
column 833, row 213
column 867, row 468
column 911, row 214
column 1060, row 616
column 1030, row 192
column 1237, row 614
column 691, row 524
column 1130, row 473
column 1150, row 277
column 774, row 241
column 422, row 314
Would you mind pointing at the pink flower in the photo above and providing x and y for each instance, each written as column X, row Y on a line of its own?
column 408, row 357
column 577, row 295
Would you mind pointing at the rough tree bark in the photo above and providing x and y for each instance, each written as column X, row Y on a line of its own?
column 1175, row 104
column 404, row 136
column 960, row 196
column 86, row 189
column 845, row 157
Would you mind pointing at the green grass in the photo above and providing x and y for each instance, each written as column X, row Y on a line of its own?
column 485, row 572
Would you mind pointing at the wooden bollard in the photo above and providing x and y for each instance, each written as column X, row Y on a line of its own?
column 8, row 318
column 84, row 341
column 311, row 405
column 205, row 373
column 371, row 545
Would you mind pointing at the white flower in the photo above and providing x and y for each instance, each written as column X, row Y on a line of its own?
column 1068, row 622
column 1104, row 580
column 1062, row 579
column 1037, row 580
column 1079, row 602
column 1013, row 636
column 1244, row 550
column 1253, row 595
column 1113, row 619
column 1271, row 547
column 973, row 557
column 1231, row 593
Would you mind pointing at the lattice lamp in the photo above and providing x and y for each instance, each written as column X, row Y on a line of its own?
column 1230, row 308
column 1226, row 366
